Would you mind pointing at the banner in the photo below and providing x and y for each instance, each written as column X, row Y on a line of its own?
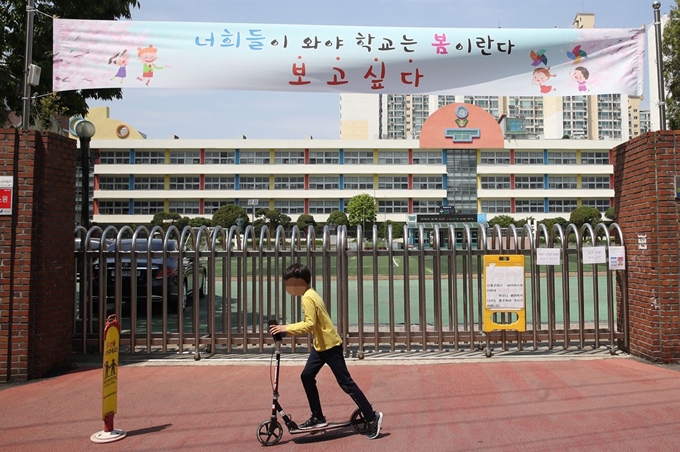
column 350, row 59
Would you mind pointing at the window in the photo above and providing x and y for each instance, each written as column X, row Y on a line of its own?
column 594, row 158
column 392, row 158
column 393, row 206
column 358, row 183
column 149, row 183
column 220, row 157
column 149, row 157
column 254, row 158
column 427, row 158
column 148, row 207
column 290, row 207
column 495, row 182
column 324, row 157
column 562, row 205
column 600, row 204
column 210, row 207
column 495, row 158
column 114, row 183
column 496, row 206
column 220, row 183
column 358, row 158
column 289, row 157
column 427, row 183
column 184, row 183
column 529, row 206
column 185, row 158
column 393, row 183
column 528, row 158
column 289, row 183
column 254, row 183
column 114, row 158
column 561, row 158
column 324, row 182
column 114, row 207
column 528, row 182
column 185, row 207
column 425, row 206
column 322, row 206
column 562, row 182
column 595, row 182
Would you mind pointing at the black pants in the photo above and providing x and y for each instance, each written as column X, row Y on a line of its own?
column 336, row 361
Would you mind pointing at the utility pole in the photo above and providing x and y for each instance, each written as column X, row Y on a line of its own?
column 28, row 57
column 659, row 66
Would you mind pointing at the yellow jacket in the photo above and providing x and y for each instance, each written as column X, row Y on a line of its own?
column 316, row 320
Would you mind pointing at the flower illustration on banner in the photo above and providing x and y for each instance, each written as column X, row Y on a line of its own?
column 577, row 54
column 538, row 58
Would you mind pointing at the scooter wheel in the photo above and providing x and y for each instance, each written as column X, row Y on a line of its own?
column 269, row 433
column 359, row 421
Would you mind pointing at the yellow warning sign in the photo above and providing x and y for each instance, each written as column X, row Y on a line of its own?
column 110, row 367
column 504, row 293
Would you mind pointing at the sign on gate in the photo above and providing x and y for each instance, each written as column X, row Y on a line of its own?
column 504, row 293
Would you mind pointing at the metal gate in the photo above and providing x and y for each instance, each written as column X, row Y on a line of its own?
column 213, row 290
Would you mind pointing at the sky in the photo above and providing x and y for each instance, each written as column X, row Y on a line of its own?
column 227, row 114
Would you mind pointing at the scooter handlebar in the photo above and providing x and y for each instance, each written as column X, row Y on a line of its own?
column 277, row 337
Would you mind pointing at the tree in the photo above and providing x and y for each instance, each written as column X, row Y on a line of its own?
column 585, row 214
column 197, row 222
column 610, row 214
column 12, row 48
column 304, row 221
column 670, row 49
column 230, row 215
column 273, row 218
column 504, row 221
column 167, row 219
column 361, row 211
column 336, row 219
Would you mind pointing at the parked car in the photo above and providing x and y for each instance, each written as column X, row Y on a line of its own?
column 157, row 268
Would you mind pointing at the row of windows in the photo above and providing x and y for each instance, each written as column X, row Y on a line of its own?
column 537, row 182
column 565, row 206
column 262, row 183
column 538, row 158
column 264, row 158
column 288, row 207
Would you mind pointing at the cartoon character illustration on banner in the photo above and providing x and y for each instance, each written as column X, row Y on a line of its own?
column 148, row 56
column 580, row 74
column 541, row 76
column 121, row 60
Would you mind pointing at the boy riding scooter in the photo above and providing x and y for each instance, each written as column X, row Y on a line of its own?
column 327, row 349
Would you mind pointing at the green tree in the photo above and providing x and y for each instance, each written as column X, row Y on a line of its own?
column 503, row 221
column 585, row 214
column 230, row 215
column 166, row 219
column 304, row 221
column 397, row 229
column 273, row 218
column 610, row 214
column 197, row 222
column 361, row 210
column 670, row 50
column 336, row 219
column 550, row 222
column 12, row 47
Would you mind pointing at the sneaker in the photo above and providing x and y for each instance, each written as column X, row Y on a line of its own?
column 313, row 422
column 374, row 425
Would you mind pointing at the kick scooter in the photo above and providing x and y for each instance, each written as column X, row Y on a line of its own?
column 270, row 431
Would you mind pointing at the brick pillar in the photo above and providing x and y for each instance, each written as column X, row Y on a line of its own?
column 647, row 211
column 37, row 289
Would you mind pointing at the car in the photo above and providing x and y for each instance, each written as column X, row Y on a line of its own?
column 158, row 266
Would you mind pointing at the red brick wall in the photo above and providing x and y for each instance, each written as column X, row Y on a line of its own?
column 37, row 292
column 645, row 203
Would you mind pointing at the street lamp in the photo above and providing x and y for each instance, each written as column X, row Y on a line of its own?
column 85, row 130
column 253, row 202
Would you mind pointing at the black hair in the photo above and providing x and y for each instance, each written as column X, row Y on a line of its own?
column 298, row 270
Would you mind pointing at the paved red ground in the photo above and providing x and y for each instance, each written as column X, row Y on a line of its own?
column 611, row 404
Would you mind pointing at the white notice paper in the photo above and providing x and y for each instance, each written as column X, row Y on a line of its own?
column 617, row 258
column 594, row 255
column 548, row 256
column 505, row 287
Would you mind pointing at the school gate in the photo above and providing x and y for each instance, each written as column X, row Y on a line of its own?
column 41, row 324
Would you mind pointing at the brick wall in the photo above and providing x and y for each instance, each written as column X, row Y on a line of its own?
column 37, row 272
column 646, row 209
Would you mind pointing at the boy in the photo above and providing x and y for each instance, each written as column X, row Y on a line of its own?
column 327, row 350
